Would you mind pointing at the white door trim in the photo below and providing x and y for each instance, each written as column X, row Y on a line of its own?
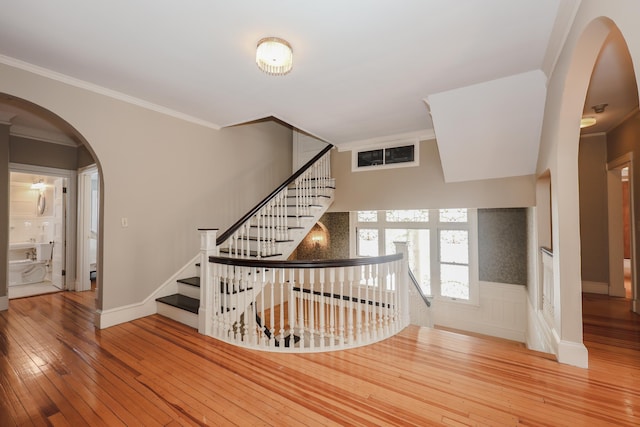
column 70, row 224
column 83, row 283
column 614, row 207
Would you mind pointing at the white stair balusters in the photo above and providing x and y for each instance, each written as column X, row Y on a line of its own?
column 310, row 306
column 207, row 296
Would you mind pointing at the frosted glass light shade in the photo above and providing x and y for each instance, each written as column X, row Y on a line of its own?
column 274, row 56
column 587, row 121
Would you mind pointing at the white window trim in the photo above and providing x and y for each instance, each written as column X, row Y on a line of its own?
column 434, row 226
column 383, row 146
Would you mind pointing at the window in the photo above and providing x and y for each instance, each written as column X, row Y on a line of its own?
column 401, row 155
column 441, row 243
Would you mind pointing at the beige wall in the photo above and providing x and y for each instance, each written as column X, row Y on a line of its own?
column 165, row 175
column 422, row 187
column 594, row 237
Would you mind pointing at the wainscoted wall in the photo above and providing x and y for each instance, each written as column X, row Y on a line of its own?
column 501, row 312
column 502, row 245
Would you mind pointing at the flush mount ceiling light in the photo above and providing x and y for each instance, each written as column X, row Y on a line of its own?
column 274, row 56
column 587, row 121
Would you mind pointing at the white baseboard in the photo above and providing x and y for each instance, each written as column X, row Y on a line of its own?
column 540, row 337
column 4, row 303
column 595, row 287
column 573, row 353
column 115, row 316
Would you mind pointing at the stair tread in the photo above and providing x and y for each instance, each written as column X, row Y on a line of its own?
column 224, row 288
column 255, row 239
column 193, row 281
column 317, row 195
column 291, row 216
column 330, row 187
column 289, row 227
column 251, row 253
column 181, row 301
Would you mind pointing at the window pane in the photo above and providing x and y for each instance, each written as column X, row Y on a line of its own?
column 367, row 242
column 419, row 255
column 370, row 158
column 454, row 246
column 399, row 154
column 453, row 215
column 414, row 215
column 454, row 281
column 367, row 216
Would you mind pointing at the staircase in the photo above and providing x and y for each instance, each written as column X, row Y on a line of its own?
column 271, row 230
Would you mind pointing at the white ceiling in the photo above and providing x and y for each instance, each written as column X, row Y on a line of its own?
column 362, row 68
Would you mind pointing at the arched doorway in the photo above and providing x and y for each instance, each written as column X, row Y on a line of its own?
column 559, row 152
column 34, row 139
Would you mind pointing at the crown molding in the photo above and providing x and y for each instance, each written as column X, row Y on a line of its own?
column 72, row 81
column 421, row 135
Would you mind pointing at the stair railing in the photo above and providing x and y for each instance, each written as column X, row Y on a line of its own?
column 270, row 217
column 306, row 306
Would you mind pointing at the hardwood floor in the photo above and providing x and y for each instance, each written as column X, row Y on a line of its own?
column 56, row 369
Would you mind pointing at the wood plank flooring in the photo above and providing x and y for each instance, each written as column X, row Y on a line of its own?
column 56, row 369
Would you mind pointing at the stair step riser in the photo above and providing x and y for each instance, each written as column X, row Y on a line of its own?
column 177, row 314
column 188, row 290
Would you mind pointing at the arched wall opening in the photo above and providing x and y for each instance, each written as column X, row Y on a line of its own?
column 567, row 91
column 43, row 132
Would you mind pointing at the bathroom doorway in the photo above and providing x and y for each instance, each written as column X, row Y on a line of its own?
column 39, row 229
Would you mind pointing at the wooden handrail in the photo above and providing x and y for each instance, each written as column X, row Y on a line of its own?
column 417, row 285
column 228, row 233
column 303, row 263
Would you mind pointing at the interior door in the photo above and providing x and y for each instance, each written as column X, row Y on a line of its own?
column 59, row 241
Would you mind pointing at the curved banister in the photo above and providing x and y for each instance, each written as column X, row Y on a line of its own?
column 417, row 285
column 261, row 263
column 228, row 233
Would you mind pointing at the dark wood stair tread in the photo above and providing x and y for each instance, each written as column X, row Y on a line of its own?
column 231, row 289
column 193, row 281
column 251, row 253
column 289, row 227
column 255, row 239
column 182, row 302
column 316, row 195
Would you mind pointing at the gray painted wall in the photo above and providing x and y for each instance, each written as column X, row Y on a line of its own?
column 4, row 207
column 502, row 245
column 38, row 153
column 594, row 238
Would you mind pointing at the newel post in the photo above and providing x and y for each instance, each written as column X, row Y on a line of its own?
column 403, row 283
column 208, row 248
